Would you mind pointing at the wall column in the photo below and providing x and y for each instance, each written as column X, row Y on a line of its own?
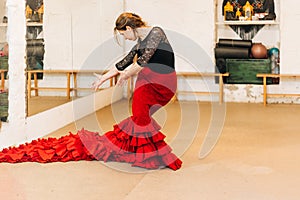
column 16, row 33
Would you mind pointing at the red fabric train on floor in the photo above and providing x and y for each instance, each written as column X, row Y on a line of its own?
column 144, row 149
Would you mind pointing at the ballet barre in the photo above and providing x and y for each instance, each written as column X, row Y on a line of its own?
column 205, row 74
column 68, row 73
column 265, row 91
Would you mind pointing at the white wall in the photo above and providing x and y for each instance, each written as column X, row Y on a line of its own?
column 191, row 18
column 73, row 29
column 290, row 52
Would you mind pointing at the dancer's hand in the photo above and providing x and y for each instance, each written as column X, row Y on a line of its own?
column 96, row 84
column 122, row 79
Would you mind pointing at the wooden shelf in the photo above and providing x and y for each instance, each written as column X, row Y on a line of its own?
column 27, row 24
column 3, row 24
column 34, row 24
column 258, row 22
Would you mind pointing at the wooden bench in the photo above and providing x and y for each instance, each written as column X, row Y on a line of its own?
column 205, row 74
column 68, row 73
column 265, row 92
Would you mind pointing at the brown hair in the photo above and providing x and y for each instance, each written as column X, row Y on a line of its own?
column 127, row 19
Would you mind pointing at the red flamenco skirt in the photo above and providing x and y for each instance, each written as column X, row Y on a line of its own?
column 136, row 140
column 145, row 149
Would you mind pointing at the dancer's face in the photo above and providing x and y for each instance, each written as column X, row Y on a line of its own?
column 128, row 34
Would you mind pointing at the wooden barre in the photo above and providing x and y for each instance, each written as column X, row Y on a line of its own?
column 192, row 74
column 188, row 92
column 49, row 88
column 202, row 74
column 65, row 71
column 265, row 76
column 74, row 73
column 278, row 75
column 284, row 95
column 198, row 74
column 68, row 73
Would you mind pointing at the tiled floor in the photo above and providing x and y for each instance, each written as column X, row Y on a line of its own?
column 256, row 157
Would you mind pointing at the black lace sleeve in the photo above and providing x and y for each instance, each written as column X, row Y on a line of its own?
column 128, row 60
column 152, row 41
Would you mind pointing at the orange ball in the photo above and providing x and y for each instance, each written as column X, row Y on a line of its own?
column 259, row 51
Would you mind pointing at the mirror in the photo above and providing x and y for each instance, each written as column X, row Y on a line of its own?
column 35, row 51
column 71, row 31
column 37, row 101
column 34, row 10
column 59, row 42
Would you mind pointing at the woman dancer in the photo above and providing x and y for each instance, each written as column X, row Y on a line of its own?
column 137, row 139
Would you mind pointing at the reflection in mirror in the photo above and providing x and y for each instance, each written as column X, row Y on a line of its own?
column 35, row 51
column 59, row 41
column 35, row 55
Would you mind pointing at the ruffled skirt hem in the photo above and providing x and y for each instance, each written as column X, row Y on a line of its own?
column 126, row 143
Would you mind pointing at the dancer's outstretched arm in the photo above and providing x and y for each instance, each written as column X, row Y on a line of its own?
column 102, row 78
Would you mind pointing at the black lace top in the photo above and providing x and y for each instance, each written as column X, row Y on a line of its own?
column 154, row 52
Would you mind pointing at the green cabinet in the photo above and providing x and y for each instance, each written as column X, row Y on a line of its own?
column 243, row 71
